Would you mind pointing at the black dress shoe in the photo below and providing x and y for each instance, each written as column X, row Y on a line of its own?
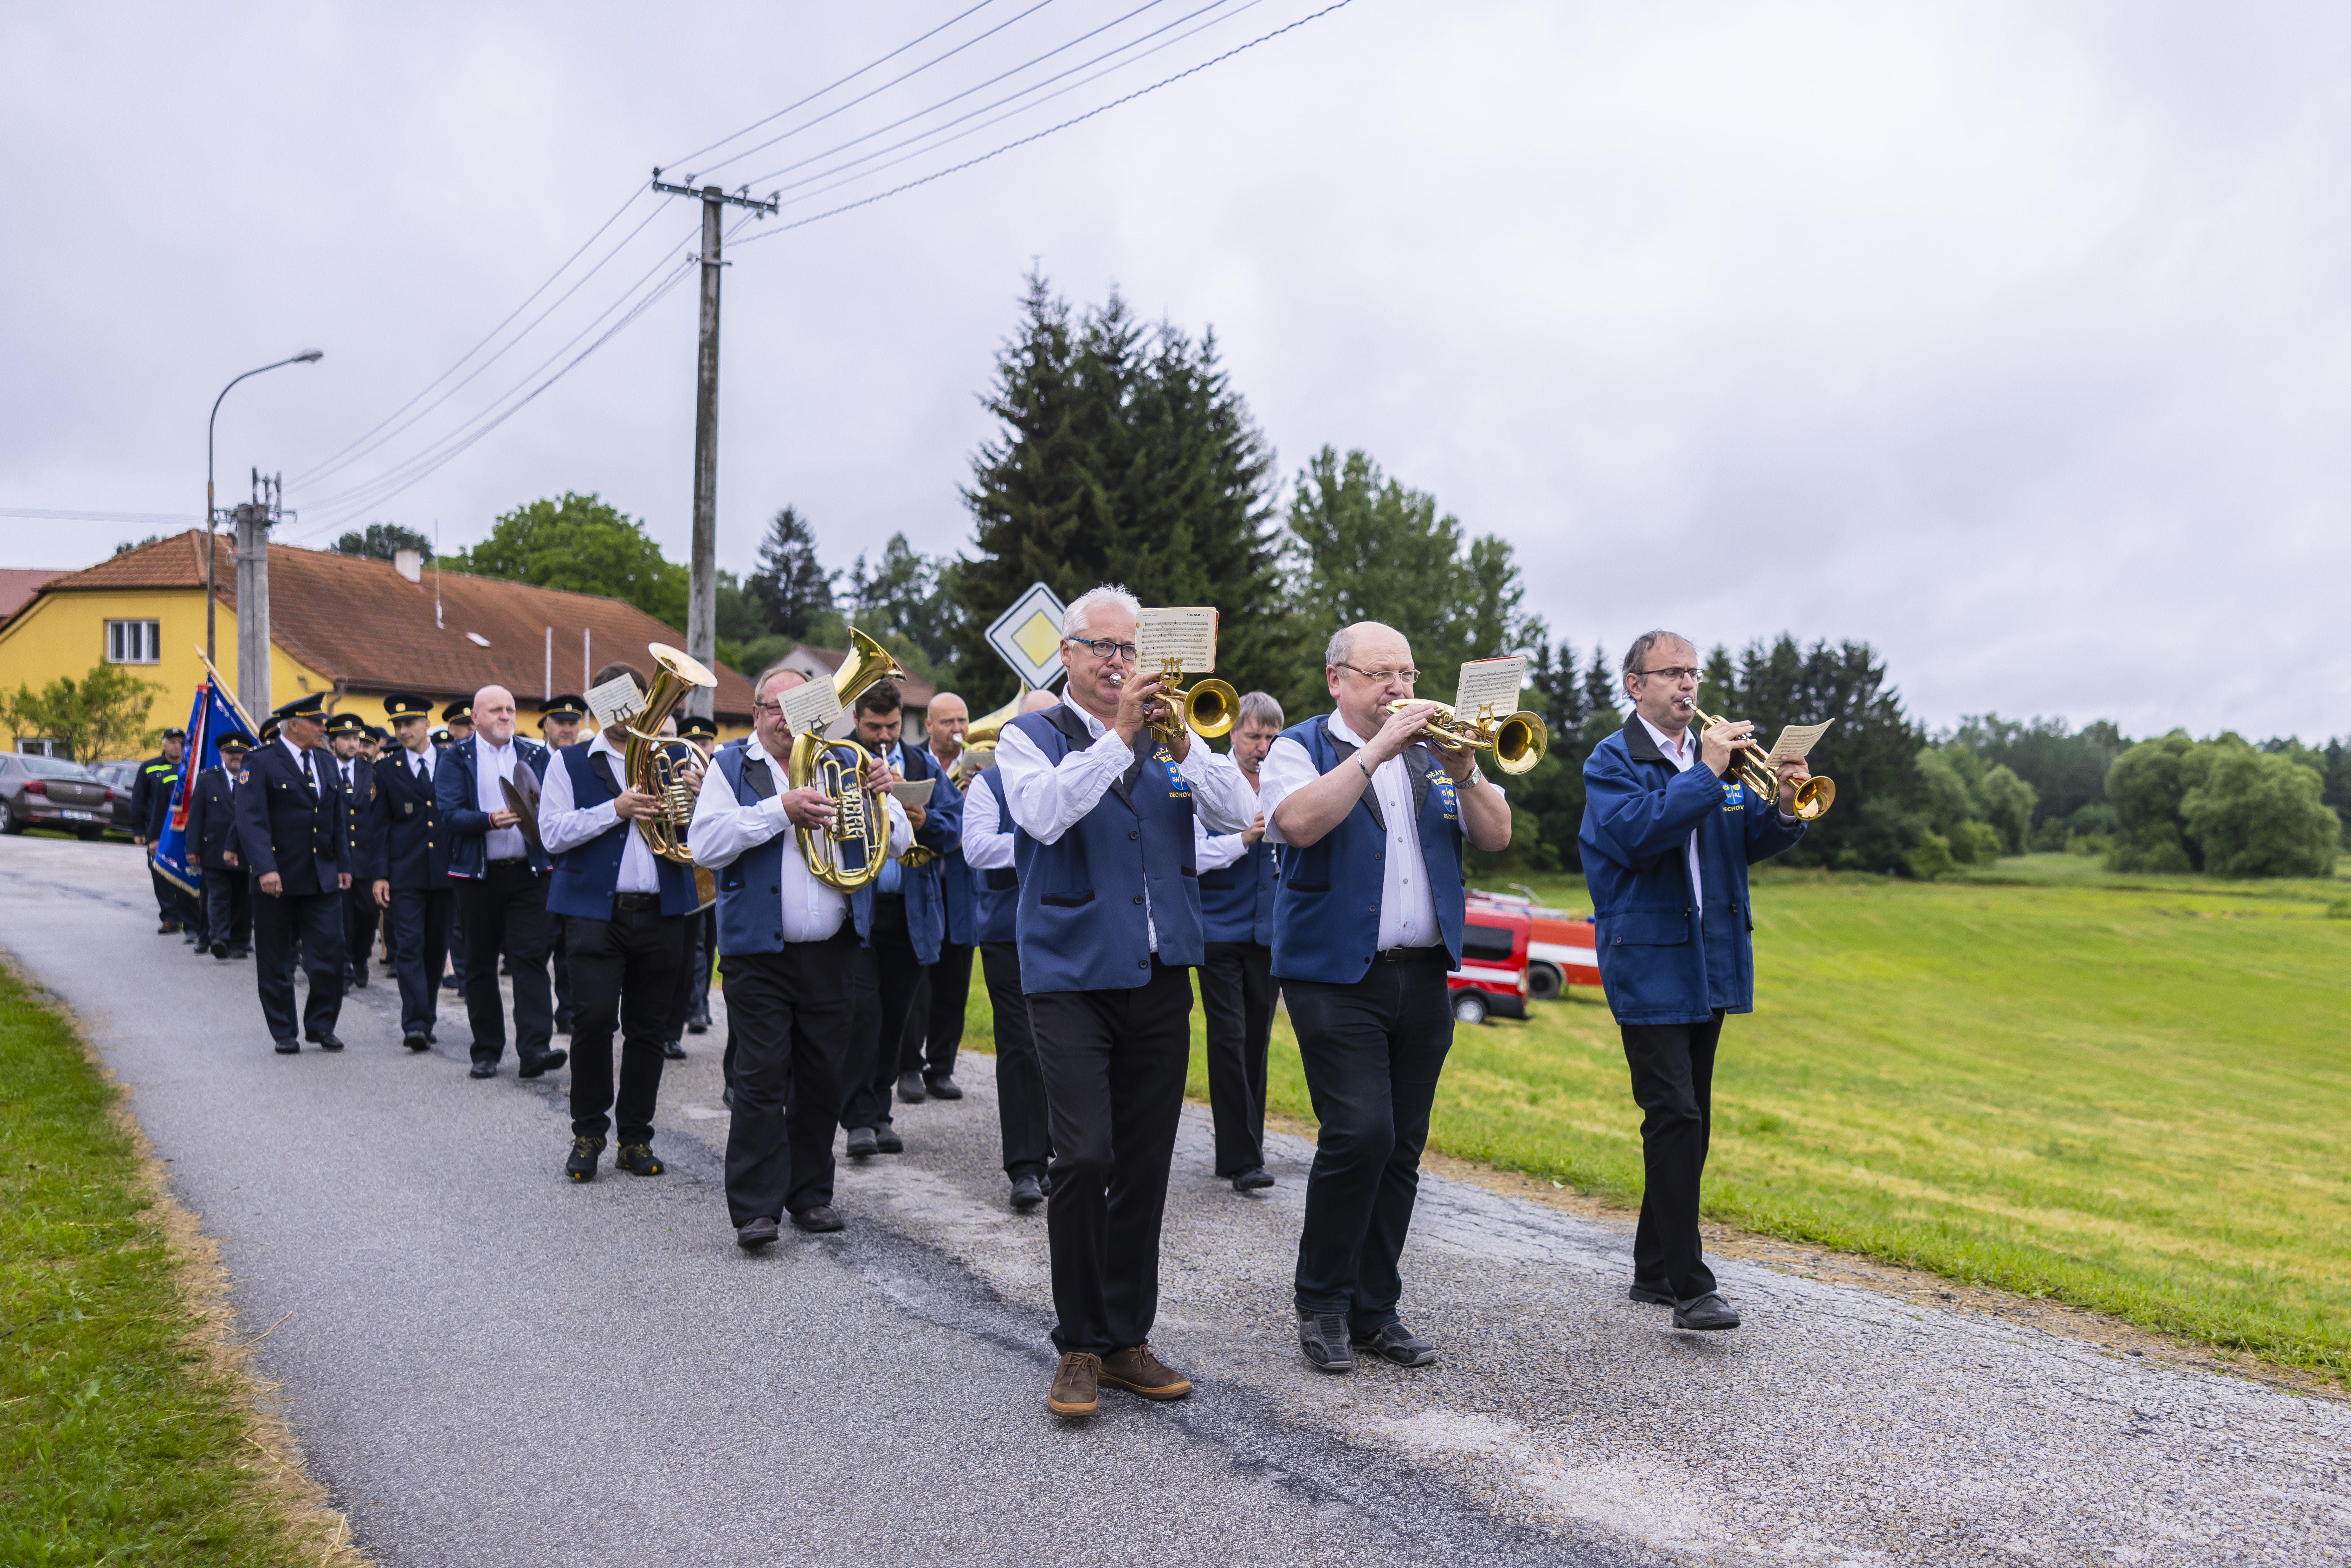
column 910, row 1088
column 1252, row 1179
column 359, row 980
column 703, row 1027
column 168, row 928
column 581, row 1165
column 240, row 951
column 1323, row 1337
column 1709, row 1313
column 726, row 1097
column 484, row 1069
column 415, row 1042
column 822, row 1220
column 860, row 1143
column 220, row 950
column 639, row 1159
column 943, row 1087
column 756, row 1233
column 325, row 1041
column 288, row 1048
column 1028, row 1192
column 1395, row 1343
column 887, row 1141
column 673, row 1050
column 1653, row 1293
column 546, row 1061
column 451, row 983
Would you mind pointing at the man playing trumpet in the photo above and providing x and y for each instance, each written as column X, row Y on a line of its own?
column 1669, row 830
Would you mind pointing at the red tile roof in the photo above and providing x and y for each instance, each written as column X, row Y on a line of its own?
column 362, row 625
column 18, row 586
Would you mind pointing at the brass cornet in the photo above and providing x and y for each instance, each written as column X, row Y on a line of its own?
column 861, row 817
column 1815, row 796
column 1518, row 741
column 1208, row 709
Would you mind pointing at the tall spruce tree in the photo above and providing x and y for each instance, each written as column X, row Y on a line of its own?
column 1125, row 456
column 790, row 584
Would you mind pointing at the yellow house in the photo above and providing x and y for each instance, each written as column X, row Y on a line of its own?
column 357, row 629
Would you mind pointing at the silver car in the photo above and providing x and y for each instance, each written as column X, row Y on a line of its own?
column 51, row 792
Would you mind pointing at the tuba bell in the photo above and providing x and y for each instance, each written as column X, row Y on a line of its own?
column 647, row 761
column 849, row 854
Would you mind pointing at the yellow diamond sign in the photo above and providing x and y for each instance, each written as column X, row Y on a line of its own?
column 1039, row 637
column 1027, row 636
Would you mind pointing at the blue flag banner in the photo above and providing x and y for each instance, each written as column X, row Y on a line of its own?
column 215, row 715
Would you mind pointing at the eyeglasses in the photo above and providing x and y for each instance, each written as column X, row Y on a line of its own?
column 1381, row 677
column 1675, row 673
column 771, row 709
column 1103, row 648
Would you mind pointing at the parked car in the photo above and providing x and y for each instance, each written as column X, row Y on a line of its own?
column 51, row 792
column 1492, row 978
column 1561, row 949
column 122, row 776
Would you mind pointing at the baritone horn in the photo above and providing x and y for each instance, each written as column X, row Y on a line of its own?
column 1815, row 796
column 849, row 852
column 1518, row 741
column 649, row 764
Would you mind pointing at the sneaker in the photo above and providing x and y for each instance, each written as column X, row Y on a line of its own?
column 1139, row 1372
column 581, row 1165
column 1395, row 1343
column 910, row 1088
column 1077, row 1385
column 637, row 1159
column 1323, row 1337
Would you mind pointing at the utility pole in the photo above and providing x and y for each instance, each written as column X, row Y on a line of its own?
column 702, row 580
column 253, row 523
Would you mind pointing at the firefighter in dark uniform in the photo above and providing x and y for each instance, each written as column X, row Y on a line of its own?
column 290, row 835
column 408, row 869
column 226, row 931
column 346, row 734
column 150, row 802
column 558, row 727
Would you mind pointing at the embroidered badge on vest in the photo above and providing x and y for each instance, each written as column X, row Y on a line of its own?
column 1444, row 793
column 1176, row 783
column 1734, row 794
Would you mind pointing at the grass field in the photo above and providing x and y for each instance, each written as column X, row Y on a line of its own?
column 120, row 1443
column 2132, row 1095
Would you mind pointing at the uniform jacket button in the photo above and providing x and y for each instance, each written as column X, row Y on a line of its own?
column 1133, row 833
column 1143, row 962
column 1138, row 898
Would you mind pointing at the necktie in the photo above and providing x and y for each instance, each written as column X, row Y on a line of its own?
column 309, row 773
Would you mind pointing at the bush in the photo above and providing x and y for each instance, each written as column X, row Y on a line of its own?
column 2005, row 802
column 2144, row 787
column 2260, row 814
column 2339, row 910
column 1931, row 858
column 1982, row 842
column 2052, row 836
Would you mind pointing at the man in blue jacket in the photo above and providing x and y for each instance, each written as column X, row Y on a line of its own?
column 1238, row 876
column 1668, row 834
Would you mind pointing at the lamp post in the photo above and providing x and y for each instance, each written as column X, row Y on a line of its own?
column 306, row 356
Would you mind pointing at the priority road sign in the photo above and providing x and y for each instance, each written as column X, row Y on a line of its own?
column 1027, row 636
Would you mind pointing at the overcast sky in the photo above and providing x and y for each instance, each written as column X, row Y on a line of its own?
column 2009, row 337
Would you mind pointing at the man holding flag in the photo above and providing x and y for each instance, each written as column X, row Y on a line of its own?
column 182, row 840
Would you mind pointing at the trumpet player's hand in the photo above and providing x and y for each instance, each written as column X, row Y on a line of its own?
column 1793, row 774
column 809, row 808
column 1401, row 730
column 1719, row 746
column 633, row 804
column 1137, row 701
column 878, row 776
column 1458, row 764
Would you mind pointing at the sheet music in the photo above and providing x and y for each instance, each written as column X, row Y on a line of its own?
column 1187, row 634
column 1495, row 682
column 912, row 791
column 614, row 701
column 1797, row 740
column 811, row 705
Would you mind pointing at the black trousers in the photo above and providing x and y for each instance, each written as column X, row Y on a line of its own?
column 561, row 965
column 359, row 912
column 934, row 1031
column 228, row 907
column 1371, row 1052
column 170, row 902
column 456, row 943
column 791, row 1013
column 888, row 975
column 1673, row 1082
column 419, row 921
column 624, row 974
column 1236, row 991
column 316, row 920
column 1113, row 1064
column 704, row 927
column 1019, row 1080
column 507, row 909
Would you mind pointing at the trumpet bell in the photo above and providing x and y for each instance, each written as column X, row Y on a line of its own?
column 1815, row 796
column 1210, row 707
column 1519, row 742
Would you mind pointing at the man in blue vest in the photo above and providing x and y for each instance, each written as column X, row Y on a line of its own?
column 1108, row 923
column 788, row 953
column 934, row 1031
column 1026, row 1140
column 1367, row 923
column 456, row 724
column 410, row 867
column 1668, row 833
column 501, row 877
column 290, row 836
column 703, row 928
column 1238, row 875
column 624, row 912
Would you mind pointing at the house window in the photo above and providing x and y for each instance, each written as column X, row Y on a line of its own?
column 134, row 642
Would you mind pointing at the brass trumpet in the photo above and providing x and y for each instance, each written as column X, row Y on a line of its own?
column 1815, row 796
column 1518, row 741
column 861, row 817
column 1208, row 707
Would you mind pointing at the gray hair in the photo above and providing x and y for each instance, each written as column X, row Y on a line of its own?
column 1074, row 620
column 1637, row 655
column 760, row 686
column 1258, row 707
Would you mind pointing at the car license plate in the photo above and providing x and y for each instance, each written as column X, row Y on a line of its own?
column 72, row 815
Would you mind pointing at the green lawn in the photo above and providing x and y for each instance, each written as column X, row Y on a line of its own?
column 118, row 1444
column 2132, row 1095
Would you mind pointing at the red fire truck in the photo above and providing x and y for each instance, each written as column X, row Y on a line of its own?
column 1492, row 978
column 1561, row 948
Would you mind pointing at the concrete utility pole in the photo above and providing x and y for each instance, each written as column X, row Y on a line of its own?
column 253, row 521
column 702, row 580
column 212, row 516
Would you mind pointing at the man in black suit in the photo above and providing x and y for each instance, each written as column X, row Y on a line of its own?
column 227, row 900
column 409, row 866
column 290, row 833
column 346, row 736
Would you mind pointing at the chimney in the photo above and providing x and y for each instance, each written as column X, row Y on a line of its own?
column 410, row 564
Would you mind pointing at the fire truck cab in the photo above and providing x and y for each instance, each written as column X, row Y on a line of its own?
column 1492, row 978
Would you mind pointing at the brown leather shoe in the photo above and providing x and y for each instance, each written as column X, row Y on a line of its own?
column 1076, row 1384
column 1139, row 1372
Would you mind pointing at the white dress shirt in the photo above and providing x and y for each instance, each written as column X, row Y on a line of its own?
column 564, row 824
column 493, row 764
column 986, row 845
column 1407, row 900
column 418, row 763
column 1047, row 802
column 302, row 763
column 1215, row 852
column 723, row 829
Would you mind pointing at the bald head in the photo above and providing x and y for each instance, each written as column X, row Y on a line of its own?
column 1038, row 702
column 493, row 715
column 944, row 723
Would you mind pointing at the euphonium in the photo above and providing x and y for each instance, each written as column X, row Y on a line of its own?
column 1209, row 707
column 1518, row 742
column 861, row 817
column 646, row 761
column 1815, row 796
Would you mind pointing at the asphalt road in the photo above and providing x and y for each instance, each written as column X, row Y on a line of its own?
column 488, row 1366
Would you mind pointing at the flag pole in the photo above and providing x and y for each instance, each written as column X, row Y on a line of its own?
column 226, row 695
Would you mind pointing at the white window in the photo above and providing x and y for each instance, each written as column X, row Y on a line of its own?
column 134, row 642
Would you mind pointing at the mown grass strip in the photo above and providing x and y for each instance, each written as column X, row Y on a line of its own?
column 125, row 1436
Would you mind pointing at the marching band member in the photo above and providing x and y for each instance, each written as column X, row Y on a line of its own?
column 1108, row 922
column 227, row 898
column 623, row 910
column 1366, row 923
column 456, row 724
column 410, row 867
column 1237, row 986
column 558, row 727
column 1027, row 1141
column 787, row 951
column 290, row 835
column 1668, row 833
column 702, row 927
column 935, row 1031
column 345, row 734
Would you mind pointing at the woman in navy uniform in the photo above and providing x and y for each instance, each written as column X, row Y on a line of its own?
column 291, row 836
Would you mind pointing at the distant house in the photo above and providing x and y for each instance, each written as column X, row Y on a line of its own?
column 820, row 665
column 18, row 586
column 354, row 628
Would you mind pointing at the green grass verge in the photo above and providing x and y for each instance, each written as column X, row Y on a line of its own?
column 2132, row 1096
column 120, row 1443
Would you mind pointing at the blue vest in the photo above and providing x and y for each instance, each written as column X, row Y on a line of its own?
column 1326, row 914
column 586, row 876
column 751, row 886
column 995, row 892
column 1081, row 922
column 1236, row 901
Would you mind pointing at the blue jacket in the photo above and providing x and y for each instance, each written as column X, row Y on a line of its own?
column 925, row 886
column 407, row 845
column 454, row 786
column 282, row 827
column 1662, row 958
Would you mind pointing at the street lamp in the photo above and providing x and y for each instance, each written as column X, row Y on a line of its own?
column 306, row 356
